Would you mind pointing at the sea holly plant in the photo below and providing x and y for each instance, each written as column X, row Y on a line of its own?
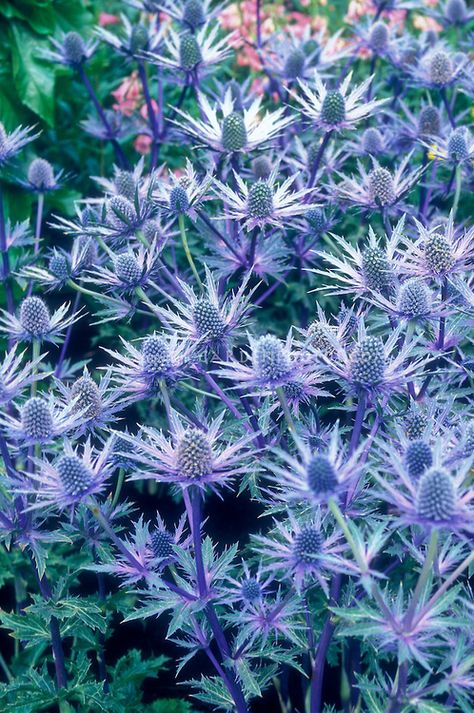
column 236, row 375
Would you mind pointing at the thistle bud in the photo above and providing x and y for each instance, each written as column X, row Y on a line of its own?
column 74, row 48
column 333, row 110
column 75, row 476
column 234, row 133
column 34, row 316
column 260, row 200
column 36, row 419
column 189, row 52
column 194, row 454
column 41, row 175
column 156, row 354
column 414, row 299
column 127, row 268
column 261, row 167
column 162, row 543
column 193, row 13
column 381, row 186
column 429, row 121
column 179, row 201
column 125, row 185
column 372, row 141
column 440, row 68
column 270, row 361
column 455, row 11
column 295, row 64
column 438, row 253
column 307, row 545
column 418, row 458
column 89, row 399
column 379, row 36
column 321, row 476
column 368, row 362
column 457, row 144
column 207, row 320
column 436, row 498
column 250, row 589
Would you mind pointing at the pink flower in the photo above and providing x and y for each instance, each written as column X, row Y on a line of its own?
column 128, row 95
column 142, row 144
column 106, row 18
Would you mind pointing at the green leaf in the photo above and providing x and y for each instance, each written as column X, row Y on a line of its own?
column 34, row 79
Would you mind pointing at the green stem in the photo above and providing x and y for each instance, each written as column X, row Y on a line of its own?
column 105, row 247
column 118, row 487
column 341, row 521
column 289, row 418
column 201, row 392
column 457, row 192
column 5, row 669
column 423, row 578
column 184, row 240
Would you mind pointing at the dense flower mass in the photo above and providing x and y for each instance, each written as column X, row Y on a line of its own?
column 236, row 379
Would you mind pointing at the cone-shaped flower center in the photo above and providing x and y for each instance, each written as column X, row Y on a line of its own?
column 127, row 268
column 41, row 174
column 368, row 362
column 414, row 299
column 36, row 419
column 294, row 65
column 438, row 254
column 193, row 13
column 207, row 320
column 34, row 316
column 179, row 201
column 194, row 454
column 436, row 498
column 270, row 361
column 418, row 458
column 162, row 543
column 75, row 476
column 88, row 396
column 333, row 110
column 381, row 186
column 321, row 475
column 307, row 545
column 250, row 589
column 376, row 269
column 429, row 121
column 440, row 68
column 260, row 200
column 234, row 133
column 74, row 48
column 156, row 354
column 189, row 52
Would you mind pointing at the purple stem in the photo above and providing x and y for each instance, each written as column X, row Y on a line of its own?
column 318, row 158
column 448, row 107
column 317, row 676
column 120, row 156
column 218, row 233
column 196, row 519
column 358, row 421
column 56, row 642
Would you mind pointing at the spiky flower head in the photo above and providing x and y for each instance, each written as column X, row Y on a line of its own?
column 208, row 320
column 322, row 477
column 418, row 458
column 59, row 266
column 440, row 68
column 260, row 200
column 75, row 51
column 194, row 14
column 270, row 361
column 41, row 174
column 139, row 39
column 381, row 186
column 35, row 317
column 74, row 474
column 37, row 420
column 316, row 218
column 368, row 362
column 429, row 121
column 250, row 589
column 372, row 141
column 456, row 11
column 333, row 110
column 307, row 545
column 438, row 253
column 162, row 543
column 125, row 184
column 415, row 298
column 87, row 395
column 179, row 201
column 376, row 269
column 121, row 213
column 152, row 230
column 379, row 36
column 194, row 454
column 156, row 354
column 458, row 145
column 189, row 52
column 261, row 167
column 317, row 337
column 436, row 496
column 234, row 133
column 295, row 64
column 127, row 268
column 415, row 423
